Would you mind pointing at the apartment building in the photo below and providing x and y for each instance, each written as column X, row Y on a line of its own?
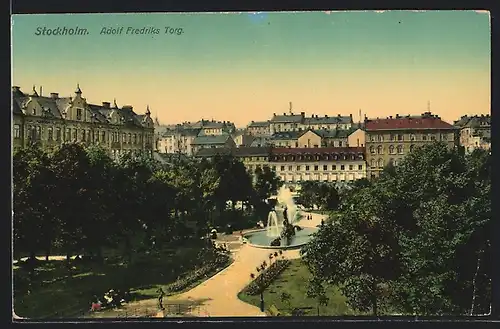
column 332, row 164
column 258, row 128
column 53, row 120
column 389, row 140
column 474, row 132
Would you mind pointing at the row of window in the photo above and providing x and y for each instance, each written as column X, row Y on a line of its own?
column 412, row 137
column 324, row 177
column 36, row 133
column 308, row 167
column 392, row 150
column 296, row 127
column 380, row 163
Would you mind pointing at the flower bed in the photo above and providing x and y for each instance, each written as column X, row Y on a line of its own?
column 214, row 265
column 262, row 281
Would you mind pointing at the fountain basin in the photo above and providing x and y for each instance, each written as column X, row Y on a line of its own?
column 261, row 239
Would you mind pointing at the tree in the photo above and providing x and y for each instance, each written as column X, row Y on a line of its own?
column 33, row 185
column 413, row 248
column 317, row 290
column 266, row 183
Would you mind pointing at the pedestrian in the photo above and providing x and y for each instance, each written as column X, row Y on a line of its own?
column 161, row 293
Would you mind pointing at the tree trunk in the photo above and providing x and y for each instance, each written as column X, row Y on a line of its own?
column 474, row 282
column 374, row 299
column 318, row 309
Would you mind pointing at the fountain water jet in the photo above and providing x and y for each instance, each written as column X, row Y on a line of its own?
column 273, row 226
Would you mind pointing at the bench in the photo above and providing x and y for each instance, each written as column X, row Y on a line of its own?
column 273, row 311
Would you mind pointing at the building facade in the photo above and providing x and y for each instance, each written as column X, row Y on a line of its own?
column 299, row 122
column 357, row 138
column 259, row 128
column 212, row 141
column 337, row 165
column 177, row 141
column 52, row 121
column 389, row 140
column 474, row 132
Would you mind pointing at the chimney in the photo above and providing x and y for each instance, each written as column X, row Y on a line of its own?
column 316, row 116
column 390, row 116
column 350, row 115
column 15, row 88
column 40, row 94
column 54, row 95
column 302, row 113
column 274, row 114
column 326, row 116
column 284, row 113
column 339, row 115
column 127, row 107
column 397, row 116
column 106, row 105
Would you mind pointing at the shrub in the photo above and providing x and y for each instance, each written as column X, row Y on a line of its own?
column 213, row 265
column 263, row 280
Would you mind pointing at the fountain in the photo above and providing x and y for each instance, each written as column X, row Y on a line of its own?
column 280, row 231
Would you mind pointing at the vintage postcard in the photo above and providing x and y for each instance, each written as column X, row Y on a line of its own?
column 251, row 165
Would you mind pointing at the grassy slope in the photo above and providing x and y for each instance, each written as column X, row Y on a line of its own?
column 294, row 281
column 55, row 294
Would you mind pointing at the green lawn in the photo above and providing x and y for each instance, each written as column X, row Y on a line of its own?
column 56, row 294
column 294, row 282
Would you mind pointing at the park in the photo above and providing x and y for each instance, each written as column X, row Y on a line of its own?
column 85, row 225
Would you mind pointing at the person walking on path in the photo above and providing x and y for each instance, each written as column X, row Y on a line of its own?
column 161, row 293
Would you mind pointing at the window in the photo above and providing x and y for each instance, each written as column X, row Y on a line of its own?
column 372, row 163
column 424, row 137
column 433, row 138
column 124, row 138
column 50, row 134
column 307, row 167
column 380, row 163
column 360, row 167
column 274, row 168
column 444, row 137
column 58, row 134
column 412, row 147
column 400, row 149
column 17, row 131
column 68, row 134
column 316, row 168
column 392, row 138
column 334, row 167
column 395, row 163
column 379, row 149
column 95, row 133
column 282, row 168
column 380, row 138
column 325, row 167
column 372, row 138
column 351, row 167
column 342, row 167
column 298, row 167
column 129, row 138
column 372, row 149
column 340, row 143
column 83, row 135
column 34, row 111
column 78, row 114
column 391, row 149
column 400, row 137
column 103, row 136
column 289, row 168
column 39, row 132
column 412, row 137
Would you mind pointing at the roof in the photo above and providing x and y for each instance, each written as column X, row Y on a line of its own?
column 211, row 140
column 252, row 151
column 315, row 120
column 56, row 106
column 260, row 140
column 290, row 118
column 256, row 124
column 325, row 153
column 479, row 121
column 433, row 122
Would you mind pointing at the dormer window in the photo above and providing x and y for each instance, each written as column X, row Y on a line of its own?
column 34, row 111
column 78, row 114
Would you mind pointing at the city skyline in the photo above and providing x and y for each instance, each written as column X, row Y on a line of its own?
column 241, row 67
